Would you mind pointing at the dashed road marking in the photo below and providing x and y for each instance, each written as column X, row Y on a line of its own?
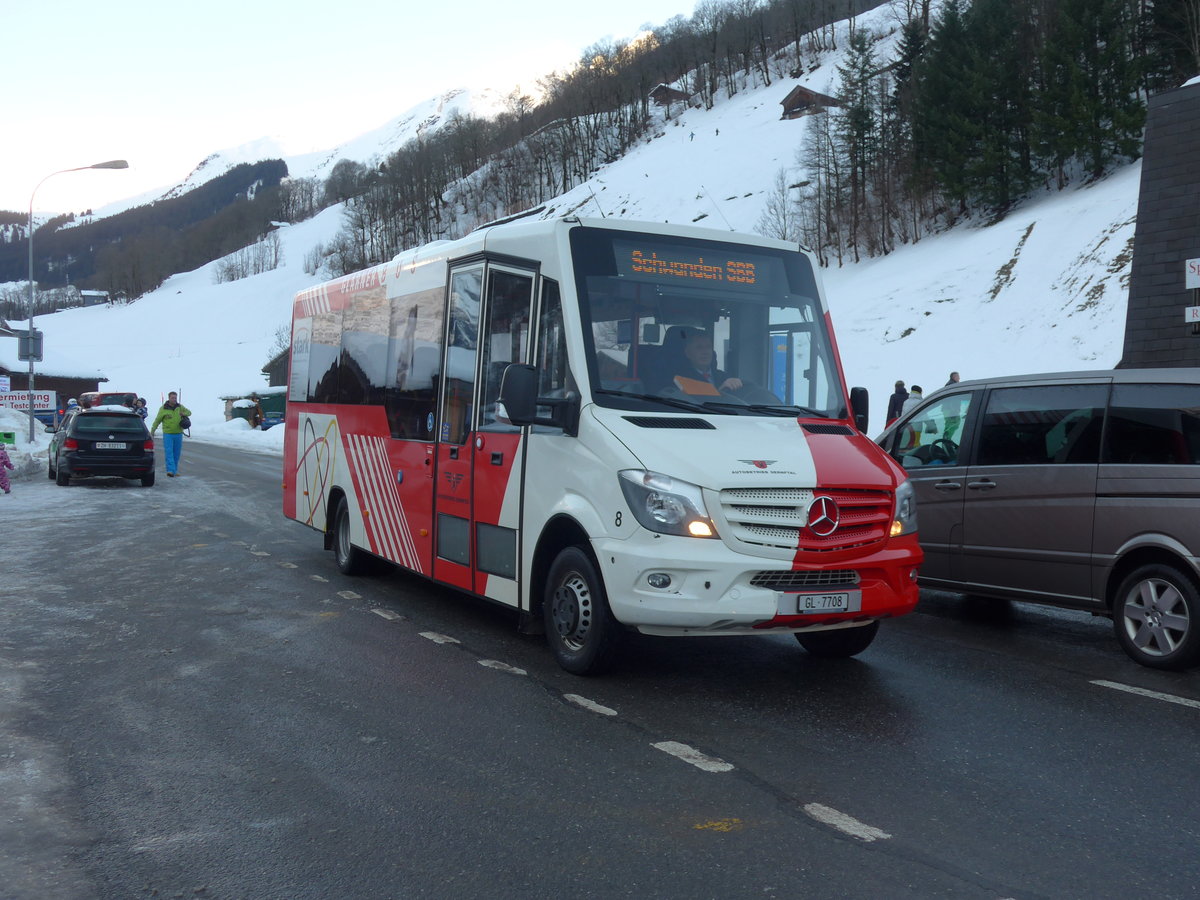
column 259, row 553
column 387, row 614
column 439, row 638
column 320, row 578
column 693, row 756
column 590, row 705
column 844, row 823
column 349, row 595
column 501, row 666
column 1154, row 695
column 288, row 565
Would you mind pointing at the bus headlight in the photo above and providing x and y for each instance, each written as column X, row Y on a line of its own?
column 904, row 521
column 666, row 505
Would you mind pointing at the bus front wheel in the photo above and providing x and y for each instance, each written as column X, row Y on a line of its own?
column 580, row 628
column 839, row 643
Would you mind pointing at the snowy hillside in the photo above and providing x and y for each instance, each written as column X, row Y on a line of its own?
column 1043, row 289
column 305, row 162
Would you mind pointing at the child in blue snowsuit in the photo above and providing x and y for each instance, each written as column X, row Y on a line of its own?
column 5, row 464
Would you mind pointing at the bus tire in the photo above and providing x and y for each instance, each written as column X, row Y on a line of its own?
column 350, row 560
column 580, row 627
column 840, row 642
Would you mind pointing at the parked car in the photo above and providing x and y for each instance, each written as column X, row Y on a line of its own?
column 102, row 441
column 91, row 399
column 1077, row 489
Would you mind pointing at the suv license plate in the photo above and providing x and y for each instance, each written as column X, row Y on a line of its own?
column 110, row 445
column 818, row 604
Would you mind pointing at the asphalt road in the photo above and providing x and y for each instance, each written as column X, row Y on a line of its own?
column 194, row 703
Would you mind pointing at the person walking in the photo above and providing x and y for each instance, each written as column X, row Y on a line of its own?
column 953, row 379
column 256, row 412
column 896, row 403
column 915, row 396
column 170, row 416
column 5, row 465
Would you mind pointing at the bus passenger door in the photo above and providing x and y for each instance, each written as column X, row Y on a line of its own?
column 478, row 489
column 496, row 445
column 452, row 491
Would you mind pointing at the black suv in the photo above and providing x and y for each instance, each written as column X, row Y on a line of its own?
column 106, row 441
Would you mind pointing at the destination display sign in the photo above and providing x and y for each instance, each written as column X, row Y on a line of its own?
column 687, row 264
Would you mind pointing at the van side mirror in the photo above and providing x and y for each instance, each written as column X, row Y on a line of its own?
column 518, row 395
column 860, row 407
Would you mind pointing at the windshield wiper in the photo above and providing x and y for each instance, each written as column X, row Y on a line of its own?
column 773, row 409
column 654, row 398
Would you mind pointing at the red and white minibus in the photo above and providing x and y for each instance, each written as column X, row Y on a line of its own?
column 606, row 425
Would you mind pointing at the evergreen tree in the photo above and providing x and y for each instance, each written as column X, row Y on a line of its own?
column 856, row 127
column 944, row 126
column 1172, row 42
column 998, row 170
column 1090, row 108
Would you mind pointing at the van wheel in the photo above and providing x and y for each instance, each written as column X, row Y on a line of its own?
column 580, row 627
column 1156, row 616
column 839, row 643
column 350, row 560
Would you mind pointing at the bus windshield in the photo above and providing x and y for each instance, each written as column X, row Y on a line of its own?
column 677, row 323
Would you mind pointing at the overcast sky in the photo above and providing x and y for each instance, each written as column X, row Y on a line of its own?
column 165, row 84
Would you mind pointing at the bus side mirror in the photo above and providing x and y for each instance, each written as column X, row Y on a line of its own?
column 860, row 405
column 518, row 395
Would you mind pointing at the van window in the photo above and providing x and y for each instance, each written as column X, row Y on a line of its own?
column 1153, row 424
column 932, row 436
column 1042, row 425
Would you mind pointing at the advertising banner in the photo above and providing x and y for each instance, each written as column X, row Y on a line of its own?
column 20, row 400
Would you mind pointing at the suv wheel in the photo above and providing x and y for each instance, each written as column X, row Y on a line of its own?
column 1156, row 616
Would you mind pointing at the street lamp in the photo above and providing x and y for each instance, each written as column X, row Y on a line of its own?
column 110, row 164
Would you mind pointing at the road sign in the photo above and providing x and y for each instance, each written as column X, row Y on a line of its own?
column 29, row 346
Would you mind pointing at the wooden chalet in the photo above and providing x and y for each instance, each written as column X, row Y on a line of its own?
column 665, row 95
column 802, row 101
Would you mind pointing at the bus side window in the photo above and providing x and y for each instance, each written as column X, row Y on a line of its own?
column 506, row 338
column 465, row 295
column 415, row 363
column 554, row 374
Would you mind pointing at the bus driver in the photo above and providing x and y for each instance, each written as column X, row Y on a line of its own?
column 701, row 362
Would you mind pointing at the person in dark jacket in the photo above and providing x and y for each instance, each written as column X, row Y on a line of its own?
column 896, row 403
column 168, row 417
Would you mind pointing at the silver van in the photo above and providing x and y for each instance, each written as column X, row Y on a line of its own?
column 1077, row 489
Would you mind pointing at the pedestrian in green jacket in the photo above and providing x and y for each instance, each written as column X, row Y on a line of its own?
column 169, row 416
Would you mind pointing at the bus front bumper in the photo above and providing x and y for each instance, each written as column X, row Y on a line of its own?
column 683, row 586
